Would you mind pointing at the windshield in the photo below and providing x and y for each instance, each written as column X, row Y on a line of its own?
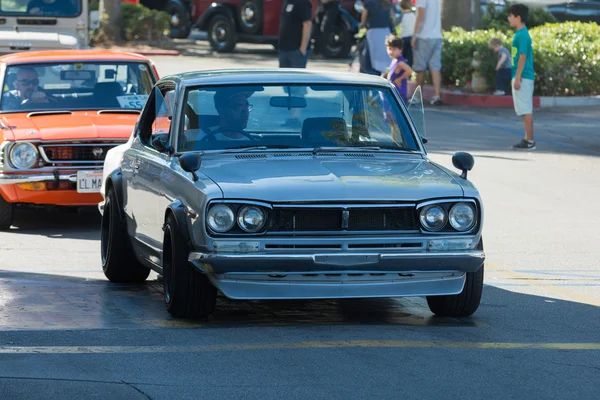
column 41, row 8
column 76, row 86
column 328, row 117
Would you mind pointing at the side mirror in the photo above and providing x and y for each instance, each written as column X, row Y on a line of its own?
column 190, row 162
column 464, row 162
column 161, row 142
column 424, row 140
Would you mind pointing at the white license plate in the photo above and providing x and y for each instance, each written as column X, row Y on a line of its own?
column 89, row 181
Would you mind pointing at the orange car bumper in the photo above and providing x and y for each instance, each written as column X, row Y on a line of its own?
column 41, row 190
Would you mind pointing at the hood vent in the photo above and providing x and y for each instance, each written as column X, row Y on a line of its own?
column 359, row 155
column 327, row 154
column 292, row 155
column 45, row 113
column 247, row 156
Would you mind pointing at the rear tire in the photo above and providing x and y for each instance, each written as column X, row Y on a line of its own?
column 466, row 302
column 118, row 260
column 188, row 293
column 250, row 15
column 7, row 211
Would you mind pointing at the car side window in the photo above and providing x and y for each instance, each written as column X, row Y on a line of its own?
column 155, row 132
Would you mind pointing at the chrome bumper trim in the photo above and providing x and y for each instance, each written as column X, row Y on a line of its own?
column 468, row 261
column 11, row 179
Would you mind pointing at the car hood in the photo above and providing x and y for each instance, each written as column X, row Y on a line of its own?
column 80, row 125
column 340, row 178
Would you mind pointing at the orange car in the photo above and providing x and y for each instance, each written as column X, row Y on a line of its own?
column 60, row 112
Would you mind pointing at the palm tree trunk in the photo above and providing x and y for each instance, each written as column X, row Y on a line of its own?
column 111, row 20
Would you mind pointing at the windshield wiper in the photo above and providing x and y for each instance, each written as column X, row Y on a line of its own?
column 362, row 148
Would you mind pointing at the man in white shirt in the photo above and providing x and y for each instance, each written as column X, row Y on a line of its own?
column 427, row 44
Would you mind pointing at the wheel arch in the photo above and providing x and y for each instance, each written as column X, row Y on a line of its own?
column 212, row 11
column 178, row 210
column 115, row 181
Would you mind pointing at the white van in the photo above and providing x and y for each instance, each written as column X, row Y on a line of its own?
column 43, row 25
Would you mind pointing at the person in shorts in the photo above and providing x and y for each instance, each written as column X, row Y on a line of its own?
column 523, row 74
column 427, row 45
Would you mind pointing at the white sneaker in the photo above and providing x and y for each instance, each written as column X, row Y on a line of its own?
column 436, row 101
column 499, row 93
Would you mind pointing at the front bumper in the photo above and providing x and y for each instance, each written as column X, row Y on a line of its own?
column 467, row 261
column 13, row 179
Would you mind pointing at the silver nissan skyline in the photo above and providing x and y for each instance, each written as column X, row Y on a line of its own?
column 289, row 184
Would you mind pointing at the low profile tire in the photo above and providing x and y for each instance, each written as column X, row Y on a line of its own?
column 188, row 293
column 221, row 34
column 7, row 211
column 466, row 302
column 118, row 261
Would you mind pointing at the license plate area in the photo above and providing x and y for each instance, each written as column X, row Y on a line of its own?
column 89, row 181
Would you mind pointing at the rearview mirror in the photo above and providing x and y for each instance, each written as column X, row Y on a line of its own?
column 464, row 162
column 287, row 102
column 191, row 162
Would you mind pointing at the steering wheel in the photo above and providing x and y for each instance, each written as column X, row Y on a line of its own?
column 51, row 100
column 211, row 135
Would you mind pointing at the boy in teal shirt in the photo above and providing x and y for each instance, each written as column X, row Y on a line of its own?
column 522, row 73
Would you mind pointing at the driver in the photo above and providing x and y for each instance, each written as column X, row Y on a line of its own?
column 27, row 90
column 234, row 111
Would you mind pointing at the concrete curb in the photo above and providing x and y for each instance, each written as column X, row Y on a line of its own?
column 491, row 101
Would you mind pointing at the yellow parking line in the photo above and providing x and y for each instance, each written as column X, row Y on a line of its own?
column 550, row 288
column 294, row 345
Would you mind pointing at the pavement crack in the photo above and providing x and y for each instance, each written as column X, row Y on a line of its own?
column 575, row 365
column 131, row 385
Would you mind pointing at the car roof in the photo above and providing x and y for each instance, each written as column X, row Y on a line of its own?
column 42, row 57
column 273, row 76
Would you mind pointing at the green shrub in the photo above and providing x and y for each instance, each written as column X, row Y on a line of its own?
column 143, row 24
column 566, row 57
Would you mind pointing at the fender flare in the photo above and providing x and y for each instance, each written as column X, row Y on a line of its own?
column 213, row 10
column 178, row 210
column 115, row 181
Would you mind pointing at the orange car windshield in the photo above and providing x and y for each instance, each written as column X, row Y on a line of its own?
column 76, row 86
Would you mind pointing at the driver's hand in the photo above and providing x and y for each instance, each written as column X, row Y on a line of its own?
column 39, row 97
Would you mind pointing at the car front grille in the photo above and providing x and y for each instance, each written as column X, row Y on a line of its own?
column 343, row 219
column 75, row 154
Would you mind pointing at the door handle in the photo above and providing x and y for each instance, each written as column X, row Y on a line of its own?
column 136, row 166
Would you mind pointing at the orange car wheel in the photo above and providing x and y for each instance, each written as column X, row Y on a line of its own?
column 6, row 214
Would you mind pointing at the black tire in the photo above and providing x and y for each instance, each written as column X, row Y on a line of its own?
column 184, row 25
column 466, row 302
column 7, row 211
column 250, row 16
column 188, row 293
column 336, row 41
column 221, row 34
column 118, row 260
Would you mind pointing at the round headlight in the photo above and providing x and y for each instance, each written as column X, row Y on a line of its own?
column 462, row 217
column 433, row 218
column 220, row 218
column 251, row 219
column 23, row 155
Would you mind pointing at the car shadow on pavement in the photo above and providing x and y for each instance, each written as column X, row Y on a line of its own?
column 33, row 301
column 58, row 223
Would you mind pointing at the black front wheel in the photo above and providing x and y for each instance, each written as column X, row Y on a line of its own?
column 336, row 41
column 221, row 34
column 188, row 293
column 6, row 214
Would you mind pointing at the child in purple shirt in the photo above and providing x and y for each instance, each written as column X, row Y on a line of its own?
column 399, row 70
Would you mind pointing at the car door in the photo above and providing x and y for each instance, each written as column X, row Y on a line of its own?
column 149, row 158
column 585, row 11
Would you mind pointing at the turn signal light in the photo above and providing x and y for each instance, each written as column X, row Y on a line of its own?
column 32, row 186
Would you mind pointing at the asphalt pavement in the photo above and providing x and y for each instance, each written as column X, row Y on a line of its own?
column 65, row 332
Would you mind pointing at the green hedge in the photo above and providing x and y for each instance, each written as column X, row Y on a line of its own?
column 143, row 24
column 566, row 57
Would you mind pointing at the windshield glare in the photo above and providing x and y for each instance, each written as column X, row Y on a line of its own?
column 76, row 86
column 41, row 8
column 217, row 118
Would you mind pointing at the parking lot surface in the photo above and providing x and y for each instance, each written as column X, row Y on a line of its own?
column 66, row 332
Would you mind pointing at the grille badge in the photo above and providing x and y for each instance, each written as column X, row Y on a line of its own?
column 345, row 219
column 97, row 152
